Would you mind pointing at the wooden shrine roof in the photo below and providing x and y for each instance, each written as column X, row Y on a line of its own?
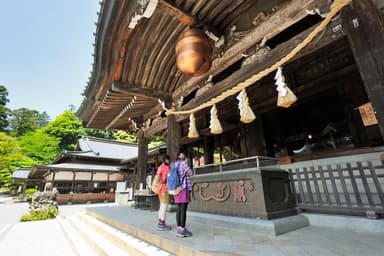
column 134, row 61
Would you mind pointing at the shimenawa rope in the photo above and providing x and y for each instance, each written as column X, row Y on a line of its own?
column 336, row 6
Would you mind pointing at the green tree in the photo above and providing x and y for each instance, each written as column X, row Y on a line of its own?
column 155, row 141
column 42, row 119
column 104, row 134
column 120, row 135
column 40, row 146
column 11, row 158
column 24, row 120
column 4, row 111
column 68, row 128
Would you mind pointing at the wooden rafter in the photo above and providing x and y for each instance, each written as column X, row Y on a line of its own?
column 290, row 14
column 172, row 10
column 186, row 18
column 134, row 90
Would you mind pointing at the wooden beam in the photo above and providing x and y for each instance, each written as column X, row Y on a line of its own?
column 290, row 14
column 133, row 90
column 272, row 56
column 174, row 11
column 153, row 112
column 186, row 18
column 365, row 31
column 120, row 61
column 309, row 89
column 156, row 127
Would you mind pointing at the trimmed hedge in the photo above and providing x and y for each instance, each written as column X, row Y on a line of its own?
column 30, row 191
column 48, row 212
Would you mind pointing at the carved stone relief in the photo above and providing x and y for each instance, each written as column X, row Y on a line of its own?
column 223, row 191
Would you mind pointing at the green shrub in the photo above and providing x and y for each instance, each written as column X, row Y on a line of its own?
column 30, row 191
column 48, row 212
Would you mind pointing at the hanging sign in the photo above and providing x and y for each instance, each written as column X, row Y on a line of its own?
column 367, row 114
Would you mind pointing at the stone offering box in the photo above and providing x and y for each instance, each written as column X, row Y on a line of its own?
column 259, row 192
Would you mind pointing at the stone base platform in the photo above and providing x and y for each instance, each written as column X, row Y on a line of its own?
column 233, row 236
column 273, row 227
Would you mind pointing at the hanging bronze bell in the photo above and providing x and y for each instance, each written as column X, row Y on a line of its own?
column 194, row 52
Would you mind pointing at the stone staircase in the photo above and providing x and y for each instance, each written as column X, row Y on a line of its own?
column 89, row 236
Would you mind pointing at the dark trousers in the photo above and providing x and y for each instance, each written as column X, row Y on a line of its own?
column 181, row 214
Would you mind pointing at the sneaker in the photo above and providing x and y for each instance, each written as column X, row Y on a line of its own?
column 187, row 232
column 183, row 233
column 163, row 227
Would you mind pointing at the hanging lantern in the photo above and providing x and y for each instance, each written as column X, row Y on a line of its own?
column 246, row 113
column 192, row 132
column 215, row 125
column 194, row 52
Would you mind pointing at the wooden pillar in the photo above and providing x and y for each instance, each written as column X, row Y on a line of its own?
column 365, row 30
column 73, row 182
column 24, row 188
column 53, row 177
column 91, row 185
column 142, row 158
column 173, row 137
column 243, row 141
column 208, row 149
column 254, row 138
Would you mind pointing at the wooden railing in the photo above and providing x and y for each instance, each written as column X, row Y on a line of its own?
column 83, row 198
column 352, row 189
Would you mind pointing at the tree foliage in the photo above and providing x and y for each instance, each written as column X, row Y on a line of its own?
column 4, row 111
column 120, row 135
column 11, row 158
column 24, row 120
column 40, row 146
column 98, row 133
column 68, row 128
column 155, row 141
column 42, row 119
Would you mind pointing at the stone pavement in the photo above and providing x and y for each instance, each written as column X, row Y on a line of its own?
column 33, row 238
column 37, row 238
column 219, row 240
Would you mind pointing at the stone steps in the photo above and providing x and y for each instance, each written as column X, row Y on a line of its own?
column 89, row 236
column 77, row 242
column 167, row 241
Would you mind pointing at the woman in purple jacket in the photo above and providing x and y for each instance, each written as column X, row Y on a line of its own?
column 184, row 197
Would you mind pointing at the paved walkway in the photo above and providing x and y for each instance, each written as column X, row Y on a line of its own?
column 46, row 237
column 216, row 240
column 37, row 238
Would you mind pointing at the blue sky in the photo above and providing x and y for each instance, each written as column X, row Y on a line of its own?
column 46, row 52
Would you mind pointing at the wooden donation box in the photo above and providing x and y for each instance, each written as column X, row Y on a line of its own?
column 262, row 193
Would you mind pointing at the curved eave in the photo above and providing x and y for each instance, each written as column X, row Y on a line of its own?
column 108, row 20
column 142, row 58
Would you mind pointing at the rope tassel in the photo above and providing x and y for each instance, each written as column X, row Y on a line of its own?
column 246, row 113
column 215, row 124
column 192, row 132
column 285, row 97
